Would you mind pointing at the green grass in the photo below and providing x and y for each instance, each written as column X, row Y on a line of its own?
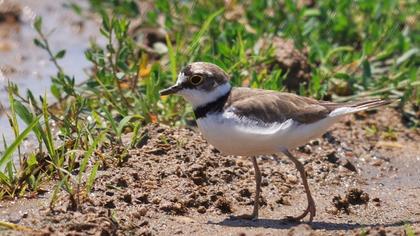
column 408, row 230
column 355, row 50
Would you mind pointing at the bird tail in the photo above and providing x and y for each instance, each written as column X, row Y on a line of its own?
column 348, row 108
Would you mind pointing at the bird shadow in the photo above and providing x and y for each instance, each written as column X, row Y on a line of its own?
column 287, row 224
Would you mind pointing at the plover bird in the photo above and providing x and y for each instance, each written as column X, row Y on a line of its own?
column 250, row 122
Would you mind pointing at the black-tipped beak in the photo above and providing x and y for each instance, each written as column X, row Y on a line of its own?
column 171, row 90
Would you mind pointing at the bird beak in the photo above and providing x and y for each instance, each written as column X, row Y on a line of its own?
column 171, row 90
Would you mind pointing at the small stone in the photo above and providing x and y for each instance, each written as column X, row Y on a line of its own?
column 174, row 208
column 283, row 201
column 128, row 198
column 201, row 209
column 332, row 210
column 330, row 138
column 284, row 189
column 291, row 179
column 156, row 200
column 377, row 162
column 350, row 166
column 314, row 142
column 143, row 198
column 142, row 211
column 341, row 204
column 264, row 182
column 305, row 149
column 144, row 223
column 332, row 157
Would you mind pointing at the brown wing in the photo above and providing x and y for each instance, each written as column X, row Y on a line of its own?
column 271, row 106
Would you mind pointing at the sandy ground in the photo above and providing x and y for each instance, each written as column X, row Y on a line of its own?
column 364, row 183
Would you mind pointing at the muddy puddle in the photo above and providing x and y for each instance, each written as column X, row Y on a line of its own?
column 28, row 66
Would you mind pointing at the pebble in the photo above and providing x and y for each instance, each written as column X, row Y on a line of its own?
column 201, row 209
column 264, row 182
column 347, row 164
column 377, row 162
column 377, row 201
column 292, row 179
column 142, row 211
column 128, row 198
column 156, row 200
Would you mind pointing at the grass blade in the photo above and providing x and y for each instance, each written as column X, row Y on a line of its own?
column 196, row 40
column 19, row 139
column 89, row 153
column 172, row 58
column 123, row 123
column 48, row 135
column 92, row 177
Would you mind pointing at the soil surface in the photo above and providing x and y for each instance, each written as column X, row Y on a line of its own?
column 364, row 176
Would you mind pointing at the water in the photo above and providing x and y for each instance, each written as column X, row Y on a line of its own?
column 28, row 66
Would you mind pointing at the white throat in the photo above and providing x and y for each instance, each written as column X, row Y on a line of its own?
column 200, row 97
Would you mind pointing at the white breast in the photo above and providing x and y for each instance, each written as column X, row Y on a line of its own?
column 235, row 135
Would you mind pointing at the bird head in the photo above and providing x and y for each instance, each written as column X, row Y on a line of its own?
column 200, row 83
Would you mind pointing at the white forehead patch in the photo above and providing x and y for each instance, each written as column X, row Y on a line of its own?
column 181, row 78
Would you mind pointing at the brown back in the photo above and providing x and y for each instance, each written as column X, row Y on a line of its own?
column 271, row 106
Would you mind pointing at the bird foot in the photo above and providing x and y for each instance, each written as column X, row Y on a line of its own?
column 311, row 210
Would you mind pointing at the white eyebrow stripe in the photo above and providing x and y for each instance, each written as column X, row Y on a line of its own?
column 203, row 71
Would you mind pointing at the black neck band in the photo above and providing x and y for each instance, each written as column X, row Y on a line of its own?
column 211, row 107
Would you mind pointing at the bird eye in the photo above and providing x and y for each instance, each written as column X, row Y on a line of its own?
column 196, row 79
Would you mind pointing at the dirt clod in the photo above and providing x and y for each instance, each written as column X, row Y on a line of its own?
column 110, row 204
column 245, row 193
column 376, row 201
column 342, row 204
column 347, row 164
column 10, row 12
column 357, row 196
column 224, row 205
column 175, row 208
column 128, row 198
column 331, row 157
column 354, row 196
column 290, row 59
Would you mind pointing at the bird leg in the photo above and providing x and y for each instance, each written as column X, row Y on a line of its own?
column 311, row 203
column 257, row 174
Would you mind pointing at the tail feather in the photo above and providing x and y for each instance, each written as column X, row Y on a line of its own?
column 348, row 108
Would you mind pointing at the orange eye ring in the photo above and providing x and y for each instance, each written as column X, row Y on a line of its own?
column 196, row 79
